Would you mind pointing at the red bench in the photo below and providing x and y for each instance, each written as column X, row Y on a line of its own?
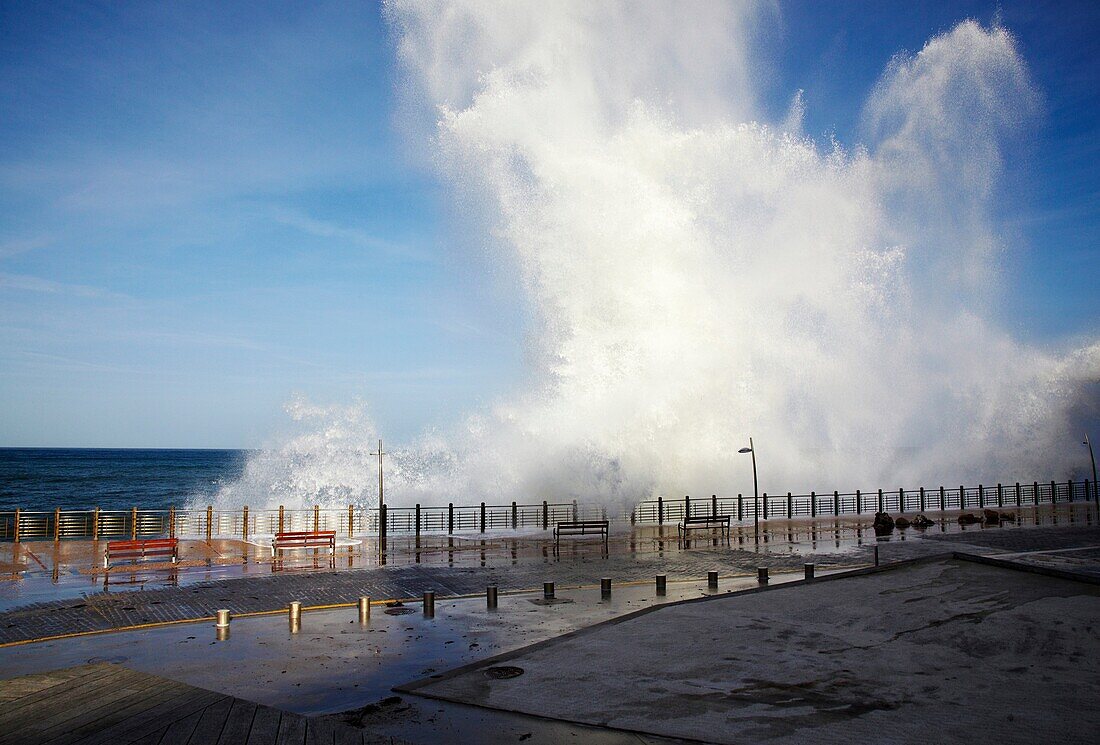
column 141, row 549
column 303, row 539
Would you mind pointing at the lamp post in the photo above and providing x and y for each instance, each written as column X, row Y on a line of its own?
column 756, row 492
column 1088, row 442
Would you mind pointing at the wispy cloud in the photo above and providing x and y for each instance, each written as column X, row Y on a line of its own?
column 14, row 246
column 29, row 283
column 354, row 236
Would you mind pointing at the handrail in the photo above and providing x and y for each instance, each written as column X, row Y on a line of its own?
column 356, row 521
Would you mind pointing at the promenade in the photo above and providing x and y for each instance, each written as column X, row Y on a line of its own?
column 335, row 670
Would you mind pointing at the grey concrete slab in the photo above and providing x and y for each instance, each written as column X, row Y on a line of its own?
column 944, row 651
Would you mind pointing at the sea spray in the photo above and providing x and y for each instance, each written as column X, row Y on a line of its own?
column 697, row 274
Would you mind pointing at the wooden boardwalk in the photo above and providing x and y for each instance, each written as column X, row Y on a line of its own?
column 104, row 703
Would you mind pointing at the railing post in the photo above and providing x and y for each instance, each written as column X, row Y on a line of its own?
column 1069, row 486
column 660, row 510
column 1053, row 493
column 515, row 516
column 765, row 498
column 962, row 497
column 172, row 521
column 351, row 519
column 281, row 519
column 574, row 510
column 1000, row 495
column 901, row 499
column 15, row 529
column 383, row 527
column 1035, row 493
column 880, row 509
column 209, row 521
column 316, row 517
column 482, row 517
column 813, row 504
column 981, row 497
column 133, row 523
column 687, row 506
column 740, row 509
column 790, row 506
column 56, row 524
column 836, row 502
column 95, row 524
column 244, row 523
column 859, row 502
column 545, row 515
column 1019, row 499
column 922, row 502
column 418, row 518
column 714, row 505
column 943, row 498
column 450, row 518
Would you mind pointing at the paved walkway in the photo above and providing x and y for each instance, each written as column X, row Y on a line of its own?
column 274, row 592
column 103, row 703
column 580, row 564
column 949, row 650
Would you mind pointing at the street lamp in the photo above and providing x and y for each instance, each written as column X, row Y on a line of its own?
column 1093, row 456
column 756, row 492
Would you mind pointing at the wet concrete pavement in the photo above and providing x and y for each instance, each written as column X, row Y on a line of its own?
column 950, row 651
column 334, row 666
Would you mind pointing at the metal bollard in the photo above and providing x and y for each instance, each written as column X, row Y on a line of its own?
column 809, row 570
column 295, row 616
column 364, row 610
column 429, row 604
column 548, row 590
column 876, row 555
column 491, row 597
column 221, row 625
column 762, row 575
column 712, row 580
column 661, row 584
column 605, row 587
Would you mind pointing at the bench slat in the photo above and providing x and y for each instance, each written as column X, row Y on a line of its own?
column 145, row 548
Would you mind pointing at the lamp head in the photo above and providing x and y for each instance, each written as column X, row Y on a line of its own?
column 745, row 450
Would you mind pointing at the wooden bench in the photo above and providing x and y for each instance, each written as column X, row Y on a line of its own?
column 141, row 549
column 581, row 527
column 708, row 522
column 303, row 539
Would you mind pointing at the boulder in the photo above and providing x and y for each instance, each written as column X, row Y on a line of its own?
column 968, row 518
column 901, row 523
column 1008, row 517
column 883, row 524
column 922, row 522
column 992, row 517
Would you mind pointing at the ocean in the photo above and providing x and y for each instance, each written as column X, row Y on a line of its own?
column 45, row 478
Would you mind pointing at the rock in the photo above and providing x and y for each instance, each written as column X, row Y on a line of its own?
column 922, row 522
column 992, row 517
column 883, row 524
column 1008, row 517
column 901, row 523
column 968, row 518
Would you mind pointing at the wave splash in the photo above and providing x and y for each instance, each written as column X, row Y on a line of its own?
column 697, row 273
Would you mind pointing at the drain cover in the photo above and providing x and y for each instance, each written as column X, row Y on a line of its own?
column 503, row 672
column 399, row 611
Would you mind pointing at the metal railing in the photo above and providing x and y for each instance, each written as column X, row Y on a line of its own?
column 814, row 504
column 353, row 521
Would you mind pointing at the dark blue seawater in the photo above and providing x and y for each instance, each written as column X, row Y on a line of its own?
column 43, row 479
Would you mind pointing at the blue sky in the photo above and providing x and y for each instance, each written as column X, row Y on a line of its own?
column 206, row 208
